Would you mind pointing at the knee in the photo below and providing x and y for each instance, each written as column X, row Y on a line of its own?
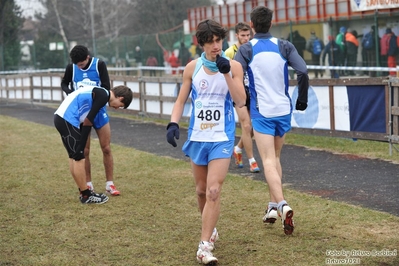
column 200, row 192
column 87, row 152
column 247, row 127
column 106, row 150
column 213, row 194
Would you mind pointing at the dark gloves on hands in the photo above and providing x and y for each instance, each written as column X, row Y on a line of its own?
column 300, row 105
column 223, row 64
column 173, row 132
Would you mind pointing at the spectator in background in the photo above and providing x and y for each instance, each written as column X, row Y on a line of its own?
column 368, row 50
column 173, row 62
column 152, row 61
column 193, row 51
column 299, row 42
column 352, row 46
column 333, row 52
column 340, row 40
column 184, row 55
column 392, row 51
column 225, row 44
column 315, row 46
column 384, row 44
column 138, row 58
column 166, row 62
column 198, row 50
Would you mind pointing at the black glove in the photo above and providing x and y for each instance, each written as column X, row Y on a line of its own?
column 223, row 64
column 173, row 132
column 300, row 106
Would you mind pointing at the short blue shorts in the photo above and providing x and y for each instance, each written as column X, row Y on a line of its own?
column 101, row 118
column 201, row 153
column 275, row 126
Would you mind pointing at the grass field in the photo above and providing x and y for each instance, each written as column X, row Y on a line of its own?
column 155, row 221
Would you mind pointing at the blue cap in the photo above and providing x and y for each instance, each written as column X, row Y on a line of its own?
column 342, row 29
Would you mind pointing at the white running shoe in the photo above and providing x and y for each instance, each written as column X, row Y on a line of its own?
column 214, row 237
column 271, row 215
column 112, row 190
column 286, row 219
column 204, row 254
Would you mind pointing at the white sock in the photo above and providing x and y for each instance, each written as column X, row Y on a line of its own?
column 237, row 149
column 109, row 183
column 90, row 184
column 251, row 160
column 272, row 205
column 280, row 205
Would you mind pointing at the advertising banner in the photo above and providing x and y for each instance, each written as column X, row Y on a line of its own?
column 364, row 5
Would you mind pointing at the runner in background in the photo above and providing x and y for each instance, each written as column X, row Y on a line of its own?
column 87, row 70
column 243, row 34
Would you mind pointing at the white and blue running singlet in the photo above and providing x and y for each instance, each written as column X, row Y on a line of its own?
column 212, row 108
column 269, row 93
column 89, row 76
column 77, row 105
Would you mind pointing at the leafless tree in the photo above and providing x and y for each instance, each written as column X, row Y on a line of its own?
column 72, row 19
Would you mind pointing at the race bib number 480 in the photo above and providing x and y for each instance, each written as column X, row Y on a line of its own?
column 209, row 121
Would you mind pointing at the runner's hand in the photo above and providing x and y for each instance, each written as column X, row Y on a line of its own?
column 173, row 132
column 301, row 106
column 223, row 64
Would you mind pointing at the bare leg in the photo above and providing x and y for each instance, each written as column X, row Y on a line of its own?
column 270, row 150
column 240, row 144
column 208, row 182
column 78, row 172
column 104, row 136
column 246, row 127
column 87, row 160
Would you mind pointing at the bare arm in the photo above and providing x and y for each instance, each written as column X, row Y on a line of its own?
column 236, row 83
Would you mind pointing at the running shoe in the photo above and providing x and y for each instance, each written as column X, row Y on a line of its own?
column 90, row 187
column 204, row 254
column 94, row 198
column 112, row 190
column 214, row 237
column 238, row 158
column 271, row 215
column 253, row 168
column 286, row 219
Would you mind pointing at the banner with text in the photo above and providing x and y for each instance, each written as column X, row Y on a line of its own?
column 364, row 5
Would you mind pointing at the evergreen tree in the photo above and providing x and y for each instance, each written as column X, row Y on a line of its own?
column 10, row 25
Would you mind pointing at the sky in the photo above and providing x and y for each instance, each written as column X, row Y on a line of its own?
column 29, row 7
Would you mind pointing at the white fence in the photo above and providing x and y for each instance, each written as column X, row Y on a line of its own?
column 328, row 114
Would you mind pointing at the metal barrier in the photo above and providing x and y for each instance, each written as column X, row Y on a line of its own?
column 154, row 97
